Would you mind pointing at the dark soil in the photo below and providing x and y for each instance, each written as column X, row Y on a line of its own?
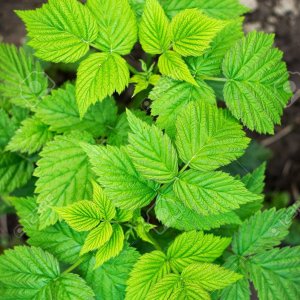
column 283, row 171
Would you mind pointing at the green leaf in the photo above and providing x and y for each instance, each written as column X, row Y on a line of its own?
column 14, row 172
column 210, row 63
column 212, row 192
column 191, row 247
column 116, row 23
column 208, row 138
column 112, row 247
column 170, row 97
column 82, row 216
column 154, row 31
column 60, row 31
column 209, row 276
column 192, row 32
column 149, row 269
column 222, row 9
column 22, row 79
column 60, row 112
column 108, row 211
column 60, row 240
column 64, row 175
column 172, row 65
column 30, row 137
column 173, row 213
column 275, row 273
column 117, row 174
column 7, row 128
column 99, row 76
column 257, row 89
column 151, row 151
column 263, row 231
column 109, row 281
column 97, row 237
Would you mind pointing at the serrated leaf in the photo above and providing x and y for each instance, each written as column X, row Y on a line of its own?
column 108, row 211
column 172, row 65
column 191, row 247
column 112, row 247
column 22, row 79
column 30, row 137
column 222, row 9
column 257, row 89
column 97, row 237
column 61, row 30
column 210, row 63
column 275, row 273
column 60, row 240
column 99, row 76
column 170, row 97
column 64, row 176
column 148, row 270
column 173, row 213
column 151, row 151
column 116, row 23
column 82, row 216
column 60, row 112
column 15, row 172
column 208, row 138
column 117, row 174
column 212, row 192
column 154, row 29
column 263, row 231
column 192, row 32
column 7, row 128
column 109, row 281
column 209, row 276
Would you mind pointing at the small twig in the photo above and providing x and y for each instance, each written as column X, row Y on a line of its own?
column 281, row 134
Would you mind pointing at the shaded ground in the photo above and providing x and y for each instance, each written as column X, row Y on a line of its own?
column 279, row 16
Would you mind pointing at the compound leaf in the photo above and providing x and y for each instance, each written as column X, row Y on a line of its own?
column 99, row 76
column 151, row 151
column 61, row 30
column 208, row 138
column 117, row 25
column 154, row 30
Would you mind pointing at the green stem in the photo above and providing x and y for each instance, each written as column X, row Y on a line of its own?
column 132, row 69
column 95, row 46
column 74, row 266
column 213, row 78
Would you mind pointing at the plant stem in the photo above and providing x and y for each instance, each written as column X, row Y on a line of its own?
column 213, row 78
column 74, row 266
column 132, row 69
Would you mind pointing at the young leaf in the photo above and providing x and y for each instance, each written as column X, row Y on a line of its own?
column 151, row 151
column 117, row 25
column 22, row 79
column 112, row 247
column 154, row 31
column 173, row 213
column 64, row 175
column 209, row 276
column 208, row 138
column 60, row 112
column 172, row 65
column 263, row 231
column 275, row 273
column 97, row 237
column 192, row 32
column 191, row 247
column 257, row 89
column 170, row 97
column 212, row 192
column 117, row 174
column 30, row 137
column 149, row 269
column 99, row 76
column 14, row 172
column 109, row 281
column 61, row 30
column 82, row 216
